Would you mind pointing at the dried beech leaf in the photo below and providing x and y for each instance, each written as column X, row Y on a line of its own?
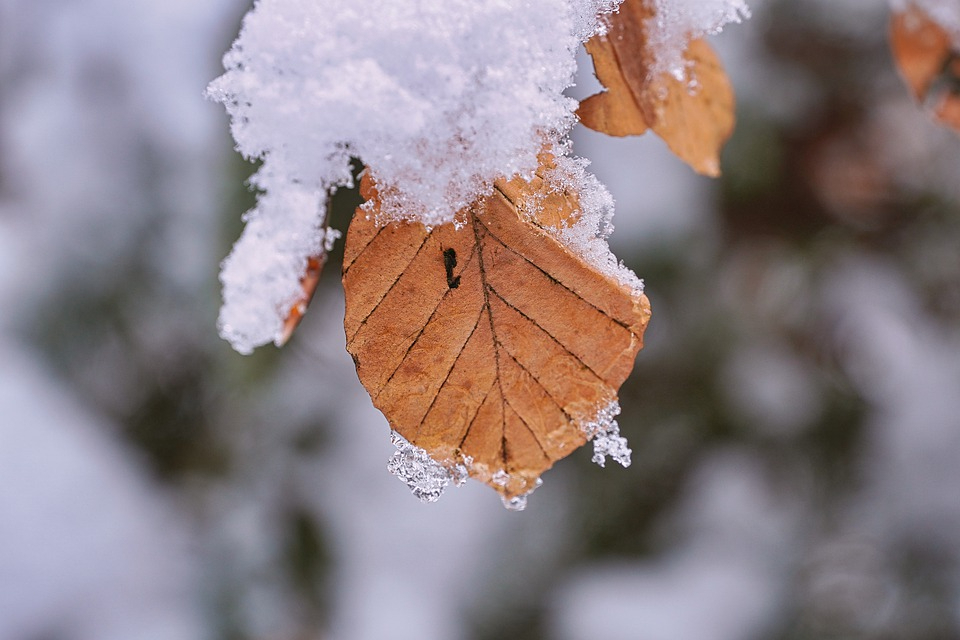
column 695, row 124
column 493, row 345
column 694, row 116
column 614, row 111
column 928, row 63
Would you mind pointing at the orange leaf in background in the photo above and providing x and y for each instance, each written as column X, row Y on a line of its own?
column 694, row 116
column 615, row 111
column 928, row 63
column 491, row 345
column 920, row 48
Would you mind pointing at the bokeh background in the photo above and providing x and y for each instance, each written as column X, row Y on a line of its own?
column 794, row 417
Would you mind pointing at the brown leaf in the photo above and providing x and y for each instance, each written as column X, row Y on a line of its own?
column 694, row 116
column 492, row 344
column 928, row 63
column 615, row 111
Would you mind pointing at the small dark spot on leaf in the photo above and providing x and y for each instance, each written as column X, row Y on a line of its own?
column 449, row 263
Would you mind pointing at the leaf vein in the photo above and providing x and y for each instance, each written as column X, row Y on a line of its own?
column 552, row 337
column 360, row 325
column 540, row 384
column 347, row 267
column 551, row 277
column 524, row 422
column 418, row 336
column 450, row 370
column 474, row 418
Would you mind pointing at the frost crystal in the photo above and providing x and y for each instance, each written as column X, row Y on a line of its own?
column 586, row 17
column 501, row 478
column 516, row 503
column 426, row 478
column 607, row 440
column 460, row 472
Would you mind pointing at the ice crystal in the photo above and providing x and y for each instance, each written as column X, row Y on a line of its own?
column 516, row 503
column 605, row 433
column 460, row 472
column 500, row 478
column 427, row 478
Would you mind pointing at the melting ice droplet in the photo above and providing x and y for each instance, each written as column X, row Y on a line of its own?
column 516, row 503
column 519, row 503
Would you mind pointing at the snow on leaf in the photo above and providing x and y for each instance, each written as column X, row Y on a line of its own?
column 675, row 23
column 487, row 338
column 929, row 62
column 413, row 88
column 308, row 281
column 692, row 111
column 263, row 277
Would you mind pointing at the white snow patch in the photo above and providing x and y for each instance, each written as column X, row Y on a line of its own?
column 677, row 22
column 412, row 88
column 726, row 578
column 906, row 366
column 261, row 276
column 771, row 388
